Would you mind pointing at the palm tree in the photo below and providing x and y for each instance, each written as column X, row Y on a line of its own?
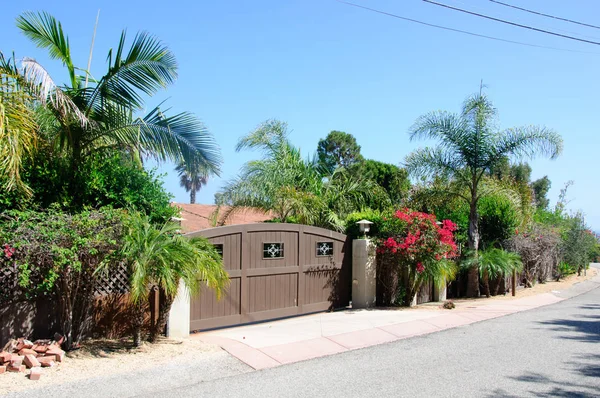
column 469, row 146
column 290, row 187
column 159, row 256
column 17, row 128
column 192, row 179
column 104, row 115
column 492, row 263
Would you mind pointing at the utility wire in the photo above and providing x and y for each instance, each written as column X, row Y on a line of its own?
column 463, row 31
column 512, row 23
column 546, row 15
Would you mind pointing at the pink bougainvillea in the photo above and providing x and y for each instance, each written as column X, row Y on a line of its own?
column 418, row 239
column 8, row 250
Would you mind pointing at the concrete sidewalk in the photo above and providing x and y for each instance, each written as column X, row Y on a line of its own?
column 291, row 340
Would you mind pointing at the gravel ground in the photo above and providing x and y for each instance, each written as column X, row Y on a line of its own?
column 112, row 362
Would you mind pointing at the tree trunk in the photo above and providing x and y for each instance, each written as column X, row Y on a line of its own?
column 192, row 196
column 138, row 324
column 473, row 243
column 486, row 284
column 164, row 307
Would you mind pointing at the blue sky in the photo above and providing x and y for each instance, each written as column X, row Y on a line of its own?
column 320, row 65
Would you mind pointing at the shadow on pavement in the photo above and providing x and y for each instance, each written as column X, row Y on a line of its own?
column 586, row 328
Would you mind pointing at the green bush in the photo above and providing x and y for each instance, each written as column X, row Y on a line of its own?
column 55, row 254
column 563, row 270
column 498, row 219
column 377, row 217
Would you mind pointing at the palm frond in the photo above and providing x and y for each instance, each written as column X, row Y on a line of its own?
column 529, row 141
column 148, row 67
column 269, row 136
column 17, row 132
column 179, row 138
column 46, row 32
column 39, row 82
column 427, row 162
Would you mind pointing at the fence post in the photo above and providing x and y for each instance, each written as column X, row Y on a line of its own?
column 513, row 288
column 363, row 274
column 439, row 292
column 178, row 325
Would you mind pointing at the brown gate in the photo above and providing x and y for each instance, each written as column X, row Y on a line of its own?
column 276, row 270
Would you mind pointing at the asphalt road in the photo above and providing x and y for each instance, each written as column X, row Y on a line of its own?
column 552, row 351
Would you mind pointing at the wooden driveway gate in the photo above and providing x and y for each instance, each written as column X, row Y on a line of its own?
column 276, row 270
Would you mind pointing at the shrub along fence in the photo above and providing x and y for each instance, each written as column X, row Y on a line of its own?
column 39, row 317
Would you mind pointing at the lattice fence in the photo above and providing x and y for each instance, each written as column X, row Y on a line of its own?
column 116, row 281
column 9, row 282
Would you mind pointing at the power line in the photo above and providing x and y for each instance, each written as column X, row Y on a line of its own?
column 513, row 23
column 546, row 15
column 463, row 31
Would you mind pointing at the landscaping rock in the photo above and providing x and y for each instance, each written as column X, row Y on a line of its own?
column 35, row 373
column 31, row 361
column 47, row 362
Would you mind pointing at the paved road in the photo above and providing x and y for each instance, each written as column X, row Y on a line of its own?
column 552, row 351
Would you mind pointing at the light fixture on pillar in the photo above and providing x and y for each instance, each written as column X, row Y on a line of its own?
column 364, row 226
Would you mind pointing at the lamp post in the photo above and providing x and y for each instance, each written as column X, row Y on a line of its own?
column 364, row 227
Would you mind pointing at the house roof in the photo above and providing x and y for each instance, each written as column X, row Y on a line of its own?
column 197, row 216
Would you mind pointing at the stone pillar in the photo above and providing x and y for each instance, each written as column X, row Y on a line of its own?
column 363, row 273
column 439, row 292
column 178, row 325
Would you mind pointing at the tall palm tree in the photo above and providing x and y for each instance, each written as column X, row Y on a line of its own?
column 17, row 128
column 469, row 146
column 104, row 115
column 159, row 256
column 192, row 178
column 288, row 186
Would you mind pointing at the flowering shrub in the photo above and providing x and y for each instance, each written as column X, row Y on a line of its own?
column 416, row 242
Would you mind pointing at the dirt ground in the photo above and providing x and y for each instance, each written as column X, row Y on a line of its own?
column 538, row 288
column 105, row 357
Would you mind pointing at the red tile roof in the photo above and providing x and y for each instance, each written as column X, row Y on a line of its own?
column 196, row 217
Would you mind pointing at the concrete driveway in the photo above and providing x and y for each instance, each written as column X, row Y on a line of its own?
column 297, row 339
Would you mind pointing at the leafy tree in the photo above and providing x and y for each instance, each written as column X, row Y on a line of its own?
column 393, row 179
column 120, row 182
column 292, row 188
column 469, row 146
column 541, row 187
column 521, row 172
column 159, row 256
column 192, row 178
column 338, row 149
column 498, row 219
column 103, row 115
